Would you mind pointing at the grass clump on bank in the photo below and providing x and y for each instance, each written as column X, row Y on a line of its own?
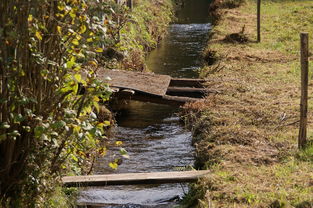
column 148, row 23
column 246, row 133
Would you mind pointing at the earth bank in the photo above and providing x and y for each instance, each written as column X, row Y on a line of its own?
column 246, row 132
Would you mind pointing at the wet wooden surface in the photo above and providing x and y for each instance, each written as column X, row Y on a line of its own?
column 133, row 178
column 150, row 83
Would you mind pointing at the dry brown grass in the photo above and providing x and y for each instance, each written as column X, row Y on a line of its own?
column 247, row 132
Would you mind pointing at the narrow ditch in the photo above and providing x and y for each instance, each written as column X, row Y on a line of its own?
column 152, row 133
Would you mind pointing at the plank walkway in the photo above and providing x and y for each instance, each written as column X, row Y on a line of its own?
column 154, row 84
column 156, row 88
column 134, row 178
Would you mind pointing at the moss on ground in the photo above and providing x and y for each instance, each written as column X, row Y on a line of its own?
column 246, row 133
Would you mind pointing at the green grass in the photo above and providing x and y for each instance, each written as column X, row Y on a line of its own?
column 282, row 21
column 251, row 142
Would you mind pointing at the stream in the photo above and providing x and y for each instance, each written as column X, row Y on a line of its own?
column 152, row 133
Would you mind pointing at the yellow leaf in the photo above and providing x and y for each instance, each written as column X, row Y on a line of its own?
column 59, row 29
column 96, row 99
column 61, row 7
column 99, row 50
column 107, row 123
column 75, row 42
column 118, row 143
column 113, row 165
column 100, row 125
column 88, row 109
column 89, row 40
column 38, row 35
column 78, row 37
column 96, row 105
column 59, row 15
column 76, row 129
column 73, row 14
column 102, row 151
column 78, row 77
column 30, row 18
column 93, row 63
column 83, row 29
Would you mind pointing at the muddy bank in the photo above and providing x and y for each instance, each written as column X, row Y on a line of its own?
column 246, row 132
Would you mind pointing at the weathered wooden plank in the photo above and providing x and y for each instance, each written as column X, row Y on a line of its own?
column 187, row 92
column 155, row 84
column 185, row 82
column 166, row 99
column 133, row 178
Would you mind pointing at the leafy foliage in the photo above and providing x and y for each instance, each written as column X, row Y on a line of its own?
column 49, row 51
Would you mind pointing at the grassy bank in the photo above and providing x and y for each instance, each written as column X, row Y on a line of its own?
column 246, row 133
column 148, row 24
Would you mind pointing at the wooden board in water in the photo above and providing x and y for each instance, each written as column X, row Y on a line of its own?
column 133, row 178
column 150, row 83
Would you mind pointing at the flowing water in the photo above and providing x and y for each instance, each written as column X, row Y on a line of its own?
column 152, row 133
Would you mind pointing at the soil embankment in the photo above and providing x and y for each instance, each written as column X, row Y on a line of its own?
column 246, row 132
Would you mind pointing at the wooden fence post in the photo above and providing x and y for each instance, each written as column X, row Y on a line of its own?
column 304, row 90
column 130, row 4
column 259, row 21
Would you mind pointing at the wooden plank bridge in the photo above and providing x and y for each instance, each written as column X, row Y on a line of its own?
column 156, row 88
column 134, row 178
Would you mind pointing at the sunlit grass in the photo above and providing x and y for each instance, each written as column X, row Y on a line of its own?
column 281, row 23
column 256, row 115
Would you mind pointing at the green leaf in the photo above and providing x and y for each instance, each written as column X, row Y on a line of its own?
column 74, row 158
column 58, row 124
column 4, row 125
column 124, row 153
column 18, row 118
column 26, row 128
column 14, row 133
column 3, row 137
column 39, row 130
column 71, row 63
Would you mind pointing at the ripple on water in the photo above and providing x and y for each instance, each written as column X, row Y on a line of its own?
column 133, row 196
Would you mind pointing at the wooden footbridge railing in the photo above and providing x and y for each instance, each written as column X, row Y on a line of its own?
column 156, row 88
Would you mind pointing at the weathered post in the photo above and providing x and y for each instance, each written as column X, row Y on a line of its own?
column 259, row 21
column 130, row 4
column 304, row 90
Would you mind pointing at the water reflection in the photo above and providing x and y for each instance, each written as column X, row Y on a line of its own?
column 179, row 54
